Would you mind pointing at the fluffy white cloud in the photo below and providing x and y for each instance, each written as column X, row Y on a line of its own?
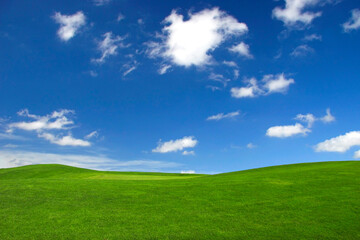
column 295, row 12
column 302, row 50
column 287, row 131
column 175, row 145
column 69, row 24
column 276, row 83
column 187, row 172
column 20, row 158
column 186, row 153
column 64, row 140
column 242, row 49
column 190, row 42
column 328, row 117
column 108, row 46
column 220, row 116
column 354, row 22
column 55, row 120
column 341, row 143
column 270, row 84
column 251, row 90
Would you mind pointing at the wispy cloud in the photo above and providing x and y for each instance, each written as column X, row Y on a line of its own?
column 108, row 46
column 175, row 145
column 64, row 140
column 354, row 22
column 69, row 24
column 97, row 162
column 302, row 51
column 312, row 37
column 101, row 2
column 220, row 116
column 270, row 84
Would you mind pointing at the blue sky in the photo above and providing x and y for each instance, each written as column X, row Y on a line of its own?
column 179, row 86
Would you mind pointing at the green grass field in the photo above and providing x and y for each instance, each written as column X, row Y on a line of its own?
column 300, row 201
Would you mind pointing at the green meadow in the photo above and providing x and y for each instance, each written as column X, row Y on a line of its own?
column 300, row 201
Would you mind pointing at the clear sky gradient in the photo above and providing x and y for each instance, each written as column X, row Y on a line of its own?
column 179, row 86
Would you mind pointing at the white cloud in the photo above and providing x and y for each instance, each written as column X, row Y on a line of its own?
column 328, row 117
column 69, row 24
column 92, row 134
column 251, row 90
column 341, row 143
column 251, row 145
column 287, row 131
column 308, row 118
column 354, row 22
column 276, row 83
column 108, row 46
column 302, row 51
column 64, row 140
column 219, row 78
column 230, row 64
column 187, row 172
column 175, row 145
column 312, row 37
column 213, row 88
column 55, row 120
column 242, row 49
column 271, row 84
column 164, row 68
column 295, row 14
column 101, row 2
column 186, row 153
column 19, row 158
column 357, row 154
column 220, row 116
column 190, row 42
column 10, row 136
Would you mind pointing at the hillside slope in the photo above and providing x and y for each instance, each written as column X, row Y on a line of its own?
column 300, row 201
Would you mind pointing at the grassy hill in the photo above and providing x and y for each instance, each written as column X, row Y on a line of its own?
column 300, row 201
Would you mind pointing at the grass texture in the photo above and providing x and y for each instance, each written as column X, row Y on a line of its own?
column 299, row 201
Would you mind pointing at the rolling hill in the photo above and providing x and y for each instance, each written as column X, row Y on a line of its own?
column 299, row 201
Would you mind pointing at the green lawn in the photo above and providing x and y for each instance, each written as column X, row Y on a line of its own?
column 301, row 201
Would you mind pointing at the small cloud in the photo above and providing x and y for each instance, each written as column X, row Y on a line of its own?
column 92, row 135
column 220, row 116
column 175, row 145
column 187, row 172
column 140, row 21
column 271, row 84
column 120, row 17
column 186, row 153
column 354, row 22
column 164, row 69
column 101, row 2
column 108, row 46
column 302, row 51
column 312, row 37
column 357, row 154
column 309, row 118
column 251, row 145
column 287, row 131
column 242, row 49
column 213, row 88
column 230, row 64
column 69, row 24
column 219, row 78
column 328, row 117
column 93, row 73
